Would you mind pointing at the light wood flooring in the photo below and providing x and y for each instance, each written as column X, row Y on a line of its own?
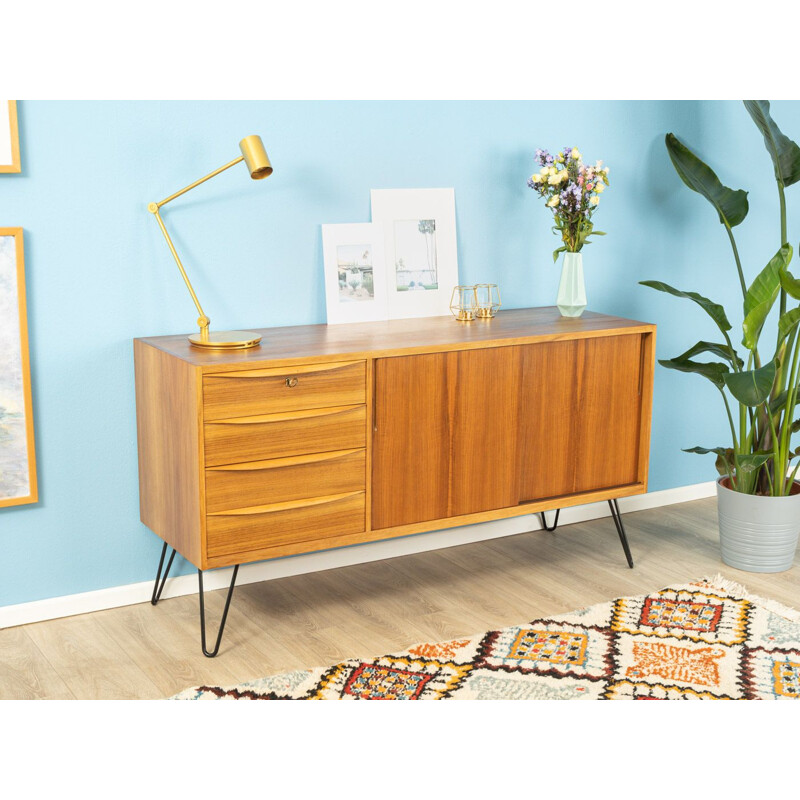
column 369, row 609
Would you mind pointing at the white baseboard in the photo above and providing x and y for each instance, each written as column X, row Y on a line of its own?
column 133, row 593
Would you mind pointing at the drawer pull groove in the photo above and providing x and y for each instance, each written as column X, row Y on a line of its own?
column 292, row 382
column 278, row 463
column 278, row 372
column 286, row 415
column 272, row 507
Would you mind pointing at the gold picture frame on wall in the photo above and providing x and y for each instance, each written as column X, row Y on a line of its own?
column 17, row 455
column 9, row 137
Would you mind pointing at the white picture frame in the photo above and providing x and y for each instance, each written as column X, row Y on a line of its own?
column 355, row 272
column 420, row 246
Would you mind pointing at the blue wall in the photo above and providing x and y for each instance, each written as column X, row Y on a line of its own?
column 98, row 273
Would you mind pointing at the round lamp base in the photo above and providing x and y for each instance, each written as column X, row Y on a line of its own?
column 226, row 340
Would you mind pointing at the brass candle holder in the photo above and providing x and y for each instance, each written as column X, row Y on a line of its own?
column 463, row 303
column 487, row 300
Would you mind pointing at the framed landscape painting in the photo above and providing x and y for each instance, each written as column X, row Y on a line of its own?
column 17, row 457
column 9, row 137
column 421, row 259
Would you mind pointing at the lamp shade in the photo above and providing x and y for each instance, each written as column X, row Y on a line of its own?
column 255, row 156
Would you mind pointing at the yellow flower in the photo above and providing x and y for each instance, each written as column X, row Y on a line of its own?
column 553, row 201
column 560, row 159
column 554, row 180
column 594, row 201
column 536, row 178
column 544, row 171
column 575, row 153
column 552, row 170
column 563, row 175
column 600, row 188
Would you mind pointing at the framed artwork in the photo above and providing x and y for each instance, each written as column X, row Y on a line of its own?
column 420, row 240
column 17, row 457
column 9, row 137
column 355, row 272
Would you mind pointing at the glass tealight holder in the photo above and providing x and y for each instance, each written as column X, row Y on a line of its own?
column 487, row 300
column 463, row 303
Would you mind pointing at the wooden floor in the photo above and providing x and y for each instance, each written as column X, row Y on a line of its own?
column 370, row 609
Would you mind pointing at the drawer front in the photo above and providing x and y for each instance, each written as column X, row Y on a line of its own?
column 259, row 483
column 292, row 433
column 268, row 391
column 230, row 533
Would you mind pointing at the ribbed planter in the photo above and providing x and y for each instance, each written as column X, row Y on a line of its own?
column 757, row 534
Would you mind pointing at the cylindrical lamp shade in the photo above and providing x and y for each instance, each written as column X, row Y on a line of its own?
column 255, row 156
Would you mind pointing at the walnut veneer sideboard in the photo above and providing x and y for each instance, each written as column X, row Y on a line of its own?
column 325, row 436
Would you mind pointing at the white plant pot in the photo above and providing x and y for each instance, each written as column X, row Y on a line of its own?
column 757, row 534
column 571, row 291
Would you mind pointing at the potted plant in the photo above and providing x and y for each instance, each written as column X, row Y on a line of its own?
column 572, row 192
column 758, row 498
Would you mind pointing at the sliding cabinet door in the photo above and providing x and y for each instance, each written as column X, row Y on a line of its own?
column 580, row 415
column 445, row 435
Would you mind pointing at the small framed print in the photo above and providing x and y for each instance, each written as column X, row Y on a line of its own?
column 420, row 240
column 17, row 457
column 9, row 137
column 355, row 272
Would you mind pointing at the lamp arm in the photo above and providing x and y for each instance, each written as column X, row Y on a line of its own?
column 202, row 180
column 203, row 320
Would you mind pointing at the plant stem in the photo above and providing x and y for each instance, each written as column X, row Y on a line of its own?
column 788, row 413
column 784, row 236
column 738, row 261
column 775, row 457
column 730, row 420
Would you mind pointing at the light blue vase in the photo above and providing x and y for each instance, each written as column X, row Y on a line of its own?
column 571, row 292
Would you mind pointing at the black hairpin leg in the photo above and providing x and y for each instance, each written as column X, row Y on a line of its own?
column 555, row 521
column 615, row 513
column 156, row 588
column 224, row 613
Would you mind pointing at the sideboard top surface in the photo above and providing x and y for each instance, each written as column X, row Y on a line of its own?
column 399, row 337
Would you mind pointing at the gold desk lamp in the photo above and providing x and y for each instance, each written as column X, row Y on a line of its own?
column 255, row 156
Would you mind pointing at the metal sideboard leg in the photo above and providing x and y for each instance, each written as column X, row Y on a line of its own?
column 214, row 652
column 615, row 513
column 555, row 521
column 156, row 588
column 616, row 516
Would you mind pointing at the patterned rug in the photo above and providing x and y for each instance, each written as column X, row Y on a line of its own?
column 709, row 640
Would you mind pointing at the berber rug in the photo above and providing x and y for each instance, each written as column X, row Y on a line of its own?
column 709, row 640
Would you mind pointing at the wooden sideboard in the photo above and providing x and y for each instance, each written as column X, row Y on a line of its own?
column 325, row 436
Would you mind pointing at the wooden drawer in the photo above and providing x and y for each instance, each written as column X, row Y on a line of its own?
column 267, row 391
column 259, row 483
column 292, row 433
column 298, row 521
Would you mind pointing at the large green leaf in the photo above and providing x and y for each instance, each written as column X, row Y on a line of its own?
column 718, row 349
column 787, row 323
column 747, row 467
column 731, row 205
column 713, row 370
column 777, row 403
column 753, row 387
column 724, row 462
column 762, row 294
column 790, row 284
column 784, row 152
column 714, row 310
